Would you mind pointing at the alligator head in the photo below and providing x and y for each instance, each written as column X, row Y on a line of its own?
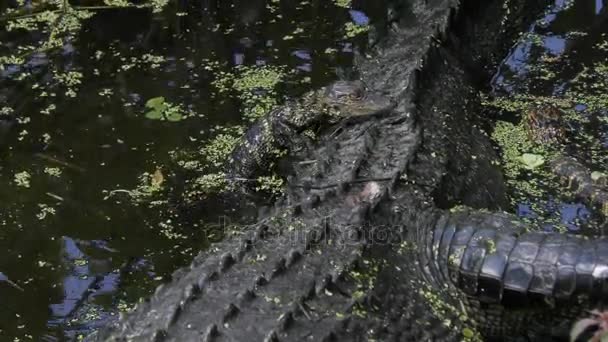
column 342, row 100
column 347, row 99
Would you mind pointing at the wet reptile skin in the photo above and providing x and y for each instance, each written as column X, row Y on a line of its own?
column 282, row 128
column 338, row 261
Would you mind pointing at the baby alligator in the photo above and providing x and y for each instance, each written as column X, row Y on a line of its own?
column 545, row 125
column 341, row 102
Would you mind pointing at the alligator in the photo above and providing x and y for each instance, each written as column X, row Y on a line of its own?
column 340, row 102
column 386, row 231
column 545, row 126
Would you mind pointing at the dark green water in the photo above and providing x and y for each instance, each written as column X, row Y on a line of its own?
column 75, row 254
column 562, row 59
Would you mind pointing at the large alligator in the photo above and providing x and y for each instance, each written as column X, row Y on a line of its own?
column 369, row 243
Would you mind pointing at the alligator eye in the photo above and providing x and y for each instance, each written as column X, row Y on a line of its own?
column 353, row 96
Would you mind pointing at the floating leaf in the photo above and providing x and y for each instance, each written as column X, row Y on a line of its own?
column 174, row 116
column 155, row 114
column 157, row 178
column 532, row 161
column 162, row 110
column 157, row 103
column 468, row 333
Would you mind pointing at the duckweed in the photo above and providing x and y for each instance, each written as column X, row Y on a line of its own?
column 22, row 179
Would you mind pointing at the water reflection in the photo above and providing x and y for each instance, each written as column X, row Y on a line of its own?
column 77, row 252
column 545, row 63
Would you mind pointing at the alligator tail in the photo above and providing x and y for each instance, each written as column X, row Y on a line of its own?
column 496, row 262
column 492, row 257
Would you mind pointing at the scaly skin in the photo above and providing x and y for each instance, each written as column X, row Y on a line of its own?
column 282, row 128
column 363, row 247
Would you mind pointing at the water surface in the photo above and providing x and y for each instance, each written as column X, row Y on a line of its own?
column 78, row 247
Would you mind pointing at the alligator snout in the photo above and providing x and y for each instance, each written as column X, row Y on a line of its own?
column 353, row 99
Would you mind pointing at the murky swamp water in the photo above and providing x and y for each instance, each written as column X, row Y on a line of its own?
column 92, row 132
column 89, row 132
column 561, row 60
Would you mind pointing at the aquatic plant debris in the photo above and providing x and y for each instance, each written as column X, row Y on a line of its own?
column 558, row 62
column 80, row 132
column 532, row 161
column 159, row 109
